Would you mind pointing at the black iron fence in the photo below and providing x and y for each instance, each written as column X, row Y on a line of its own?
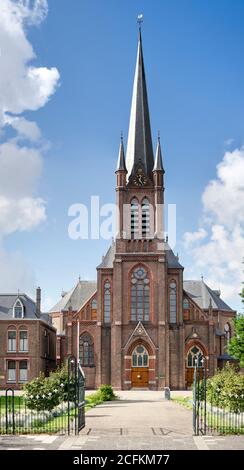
column 16, row 416
column 212, row 415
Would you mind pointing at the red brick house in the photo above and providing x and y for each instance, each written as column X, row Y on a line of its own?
column 141, row 324
column 27, row 340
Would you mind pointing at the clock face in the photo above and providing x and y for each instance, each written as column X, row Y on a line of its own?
column 140, row 180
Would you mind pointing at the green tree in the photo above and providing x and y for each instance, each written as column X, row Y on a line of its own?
column 236, row 344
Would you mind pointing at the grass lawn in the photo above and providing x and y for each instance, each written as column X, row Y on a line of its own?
column 55, row 424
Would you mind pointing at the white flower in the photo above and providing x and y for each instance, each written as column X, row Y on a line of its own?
column 49, row 394
column 37, row 397
column 61, row 385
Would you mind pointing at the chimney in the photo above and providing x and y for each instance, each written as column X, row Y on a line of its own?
column 38, row 302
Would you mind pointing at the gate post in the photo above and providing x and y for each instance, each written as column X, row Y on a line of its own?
column 195, row 400
column 72, row 374
column 12, row 409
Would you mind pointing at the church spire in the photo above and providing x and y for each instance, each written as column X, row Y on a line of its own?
column 139, row 146
column 158, row 165
column 121, row 159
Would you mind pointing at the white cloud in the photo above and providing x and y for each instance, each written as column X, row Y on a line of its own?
column 219, row 252
column 16, row 273
column 191, row 237
column 25, row 129
column 23, row 87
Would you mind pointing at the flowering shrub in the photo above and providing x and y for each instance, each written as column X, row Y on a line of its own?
column 226, row 389
column 44, row 393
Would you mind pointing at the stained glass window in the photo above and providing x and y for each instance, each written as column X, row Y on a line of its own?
column 140, row 294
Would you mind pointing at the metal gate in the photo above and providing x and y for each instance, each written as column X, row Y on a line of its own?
column 212, row 416
column 16, row 417
column 200, row 398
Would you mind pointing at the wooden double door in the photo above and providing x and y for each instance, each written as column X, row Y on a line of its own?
column 139, row 377
column 190, row 376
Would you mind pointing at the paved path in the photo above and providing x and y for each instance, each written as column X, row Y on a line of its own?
column 139, row 420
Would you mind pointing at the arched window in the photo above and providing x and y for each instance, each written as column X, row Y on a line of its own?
column 18, row 309
column 94, row 309
column 134, row 218
column 107, row 302
column 227, row 331
column 12, row 340
column 145, row 214
column 172, row 302
column 86, row 350
column 186, row 305
column 195, row 356
column 139, row 357
column 140, row 294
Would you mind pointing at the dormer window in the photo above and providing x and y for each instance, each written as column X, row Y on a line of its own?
column 18, row 309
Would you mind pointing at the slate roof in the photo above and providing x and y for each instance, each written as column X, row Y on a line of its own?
column 76, row 297
column 139, row 145
column 7, row 302
column 201, row 294
column 108, row 259
column 172, row 260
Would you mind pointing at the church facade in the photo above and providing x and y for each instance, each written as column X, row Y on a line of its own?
column 140, row 324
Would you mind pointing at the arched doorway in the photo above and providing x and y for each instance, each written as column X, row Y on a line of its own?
column 139, row 367
column 194, row 356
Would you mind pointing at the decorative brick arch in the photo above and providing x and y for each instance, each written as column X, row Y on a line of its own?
column 189, row 371
column 151, row 367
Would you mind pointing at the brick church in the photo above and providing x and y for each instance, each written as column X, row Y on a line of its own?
column 141, row 324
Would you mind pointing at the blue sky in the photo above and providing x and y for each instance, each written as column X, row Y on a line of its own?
column 193, row 53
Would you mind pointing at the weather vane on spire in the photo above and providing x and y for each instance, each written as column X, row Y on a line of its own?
column 140, row 20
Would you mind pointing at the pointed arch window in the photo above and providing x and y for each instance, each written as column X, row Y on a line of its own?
column 86, row 350
column 195, row 357
column 140, row 294
column 186, row 305
column 94, row 309
column 145, row 215
column 134, row 218
column 18, row 309
column 172, row 302
column 140, row 357
column 107, row 302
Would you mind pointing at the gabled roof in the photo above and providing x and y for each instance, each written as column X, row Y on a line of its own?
column 7, row 302
column 76, row 297
column 201, row 294
column 139, row 145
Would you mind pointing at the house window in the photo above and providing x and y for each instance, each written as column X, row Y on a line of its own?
column 195, row 357
column 23, row 371
column 86, row 350
column 140, row 357
column 23, row 341
column 11, row 371
column 140, row 295
column 94, row 309
column 172, row 302
column 134, row 218
column 11, row 340
column 18, row 309
column 107, row 302
column 145, row 218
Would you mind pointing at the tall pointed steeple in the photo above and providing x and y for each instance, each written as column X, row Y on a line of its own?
column 139, row 146
column 158, row 165
column 121, row 159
